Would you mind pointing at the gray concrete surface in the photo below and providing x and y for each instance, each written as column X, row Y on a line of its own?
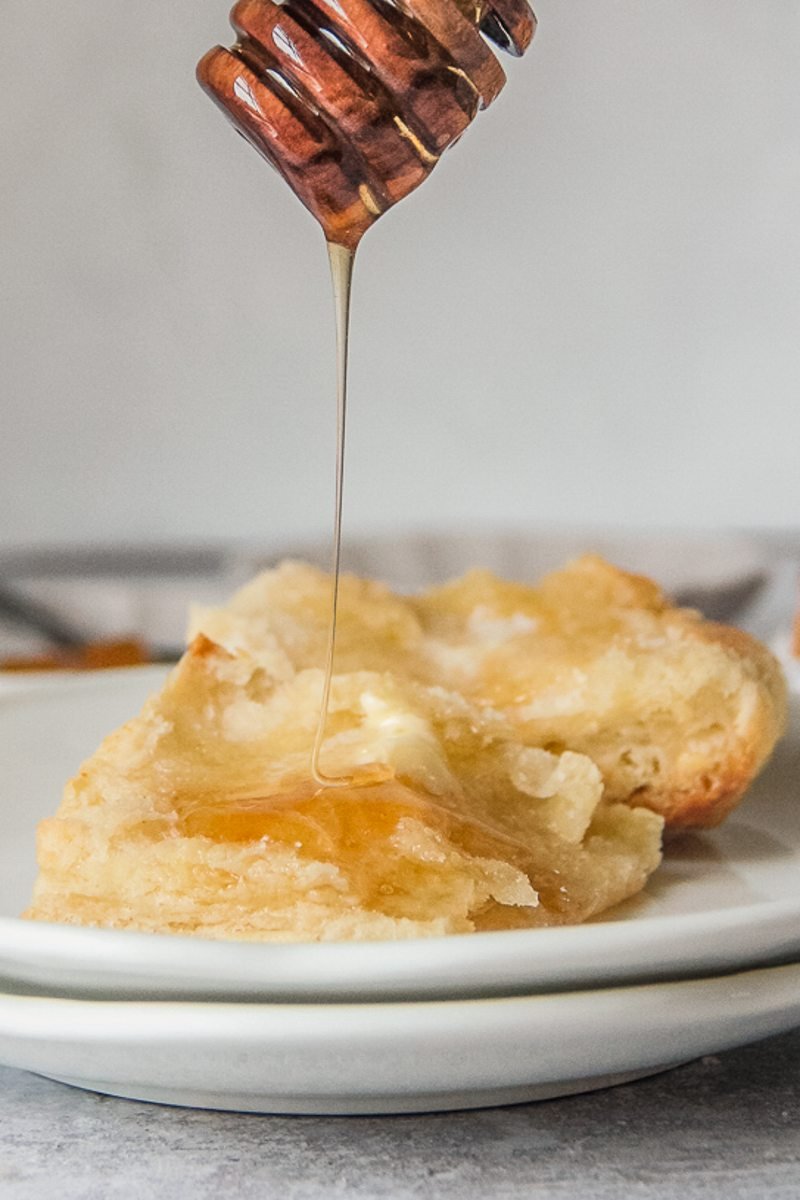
column 725, row 1126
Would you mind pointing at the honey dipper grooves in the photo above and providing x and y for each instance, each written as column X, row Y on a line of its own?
column 354, row 101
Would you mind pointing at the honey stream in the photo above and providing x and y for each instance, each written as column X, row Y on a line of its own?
column 342, row 261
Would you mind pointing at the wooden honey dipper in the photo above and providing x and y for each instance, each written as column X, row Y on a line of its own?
column 354, row 101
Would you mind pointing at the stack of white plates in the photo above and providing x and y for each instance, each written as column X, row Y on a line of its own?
column 708, row 958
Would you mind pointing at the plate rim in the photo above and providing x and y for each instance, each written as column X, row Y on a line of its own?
column 390, row 1058
column 735, row 982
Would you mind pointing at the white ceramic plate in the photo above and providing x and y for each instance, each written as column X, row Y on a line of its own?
column 721, row 902
column 381, row 1058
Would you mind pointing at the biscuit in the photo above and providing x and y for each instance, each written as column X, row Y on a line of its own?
column 678, row 713
column 199, row 817
column 514, row 752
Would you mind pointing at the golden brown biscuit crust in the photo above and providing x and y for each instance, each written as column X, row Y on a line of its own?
column 638, row 659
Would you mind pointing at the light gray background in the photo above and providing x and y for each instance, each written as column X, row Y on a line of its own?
column 591, row 312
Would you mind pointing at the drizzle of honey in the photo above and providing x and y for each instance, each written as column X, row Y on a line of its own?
column 359, row 829
column 342, row 261
column 342, row 827
column 354, row 113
